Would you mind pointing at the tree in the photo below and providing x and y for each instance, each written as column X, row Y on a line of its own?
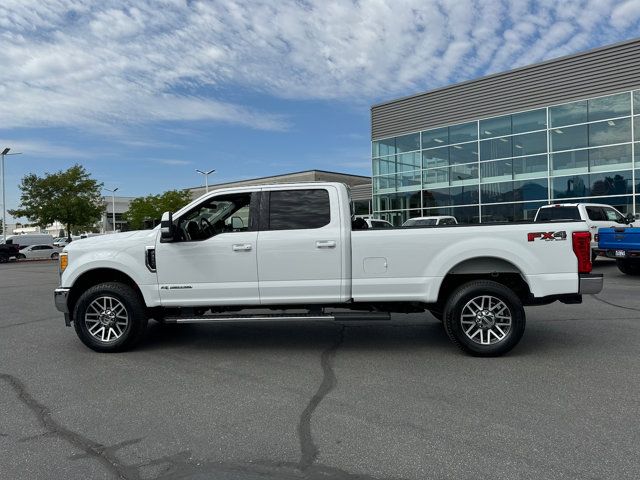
column 146, row 211
column 70, row 196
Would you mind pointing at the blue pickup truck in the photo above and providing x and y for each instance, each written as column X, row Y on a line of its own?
column 623, row 244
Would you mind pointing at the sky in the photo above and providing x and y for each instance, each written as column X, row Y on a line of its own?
column 143, row 92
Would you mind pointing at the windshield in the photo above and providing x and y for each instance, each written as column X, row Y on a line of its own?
column 556, row 214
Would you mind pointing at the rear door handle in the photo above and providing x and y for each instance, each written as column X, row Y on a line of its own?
column 326, row 244
column 241, row 247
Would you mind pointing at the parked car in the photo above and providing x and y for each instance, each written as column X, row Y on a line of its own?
column 623, row 244
column 61, row 242
column 30, row 239
column 430, row 221
column 298, row 254
column 595, row 215
column 32, row 252
column 377, row 223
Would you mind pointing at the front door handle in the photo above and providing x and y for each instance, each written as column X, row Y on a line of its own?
column 326, row 244
column 242, row 247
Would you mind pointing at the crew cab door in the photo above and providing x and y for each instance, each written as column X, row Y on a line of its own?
column 300, row 247
column 213, row 259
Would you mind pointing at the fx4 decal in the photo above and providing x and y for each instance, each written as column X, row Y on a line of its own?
column 547, row 236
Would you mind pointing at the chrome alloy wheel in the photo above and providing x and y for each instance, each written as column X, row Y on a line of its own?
column 106, row 319
column 486, row 320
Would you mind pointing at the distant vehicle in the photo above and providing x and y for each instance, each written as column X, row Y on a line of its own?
column 430, row 221
column 623, row 244
column 30, row 239
column 595, row 215
column 377, row 223
column 61, row 242
column 33, row 252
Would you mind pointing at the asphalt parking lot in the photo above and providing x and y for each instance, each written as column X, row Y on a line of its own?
column 391, row 400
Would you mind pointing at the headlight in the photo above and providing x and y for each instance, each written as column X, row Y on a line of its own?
column 64, row 261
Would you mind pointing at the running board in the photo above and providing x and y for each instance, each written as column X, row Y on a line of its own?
column 341, row 317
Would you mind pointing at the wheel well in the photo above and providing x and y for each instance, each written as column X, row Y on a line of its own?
column 94, row 277
column 484, row 268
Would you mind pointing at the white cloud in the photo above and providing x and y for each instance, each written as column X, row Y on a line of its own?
column 44, row 148
column 115, row 63
column 173, row 162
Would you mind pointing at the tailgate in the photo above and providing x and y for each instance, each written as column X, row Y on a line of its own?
column 619, row 238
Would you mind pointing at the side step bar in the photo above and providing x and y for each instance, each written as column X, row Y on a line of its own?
column 340, row 317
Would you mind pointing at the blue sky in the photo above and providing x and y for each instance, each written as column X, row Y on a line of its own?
column 143, row 92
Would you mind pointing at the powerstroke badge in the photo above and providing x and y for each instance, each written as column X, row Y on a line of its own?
column 547, row 236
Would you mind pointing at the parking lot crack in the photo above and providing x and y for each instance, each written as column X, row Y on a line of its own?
column 308, row 449
column 615, row 304
column 92, row 449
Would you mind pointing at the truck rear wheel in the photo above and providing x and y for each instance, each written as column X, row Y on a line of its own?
column 629, row 267
column 484, row 318
column 110, row 317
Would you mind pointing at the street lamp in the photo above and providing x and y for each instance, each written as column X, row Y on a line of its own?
column 113, row 206
column 206, row 178
column 4, row 153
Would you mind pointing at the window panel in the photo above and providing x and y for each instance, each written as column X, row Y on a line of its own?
column 436, row 197
column 497, row 170
column 611, row 131
column 577, row 160
column 636, row 128
column 385, row 147
column 609, row 107
column 465, row 153
column 525, row 190
column 568, row 138
column 384, row 166
column 529, row 121
column 498, row 213
column 571, row 186
column 529, row 144
column 436, row 157
column 636, row 102
column 494, row 127
column 436, row 176
column 604, row 184
column 464, row 174
column 497, row 192
column 568, row 114
column 465, row 132
column 464, row 195
column 527, row 211
column 383, row 183
column 528, row 167
column 408, row 161
column 289, row 209
column 409, row 180
column 408, row 143
column 495, row 148
column 608, row 158
column 435, row 138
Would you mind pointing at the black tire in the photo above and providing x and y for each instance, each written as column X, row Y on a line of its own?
column 459, row 302
column 4, row 259
column 135, row 311
column 629, row 267
column 594, row 255
column 55, row 255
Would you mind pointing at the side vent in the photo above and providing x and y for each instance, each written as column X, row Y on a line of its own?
column 150, row 258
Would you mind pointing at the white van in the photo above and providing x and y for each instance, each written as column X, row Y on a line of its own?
column 30, row 239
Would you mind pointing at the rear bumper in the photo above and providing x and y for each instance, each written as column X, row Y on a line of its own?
column 635, row 254
column 590, row 283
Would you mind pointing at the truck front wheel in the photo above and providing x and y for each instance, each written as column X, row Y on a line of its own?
column 484, row 318
column 110, row 317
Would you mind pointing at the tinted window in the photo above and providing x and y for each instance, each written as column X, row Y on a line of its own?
column 611, row 214
column 558, row 213
column 380, row 224
column 299, row 209
column 595, row 213
column 447, row 221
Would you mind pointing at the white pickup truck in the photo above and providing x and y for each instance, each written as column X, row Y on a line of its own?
column 290, row 250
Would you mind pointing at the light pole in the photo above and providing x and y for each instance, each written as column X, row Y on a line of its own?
column 113, row 206
column 206, row 178
column 4, row 153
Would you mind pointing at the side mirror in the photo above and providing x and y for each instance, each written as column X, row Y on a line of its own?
column 237, row 223
column 166, row 227
column 629, row 218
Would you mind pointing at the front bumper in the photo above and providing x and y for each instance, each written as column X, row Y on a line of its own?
column 60, row 298
column 590, row 283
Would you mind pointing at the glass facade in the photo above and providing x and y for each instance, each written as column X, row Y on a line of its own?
column 502, row 169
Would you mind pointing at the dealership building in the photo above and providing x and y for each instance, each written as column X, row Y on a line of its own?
column 499, row 147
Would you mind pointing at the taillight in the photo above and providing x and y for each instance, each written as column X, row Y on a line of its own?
column 582, row 249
